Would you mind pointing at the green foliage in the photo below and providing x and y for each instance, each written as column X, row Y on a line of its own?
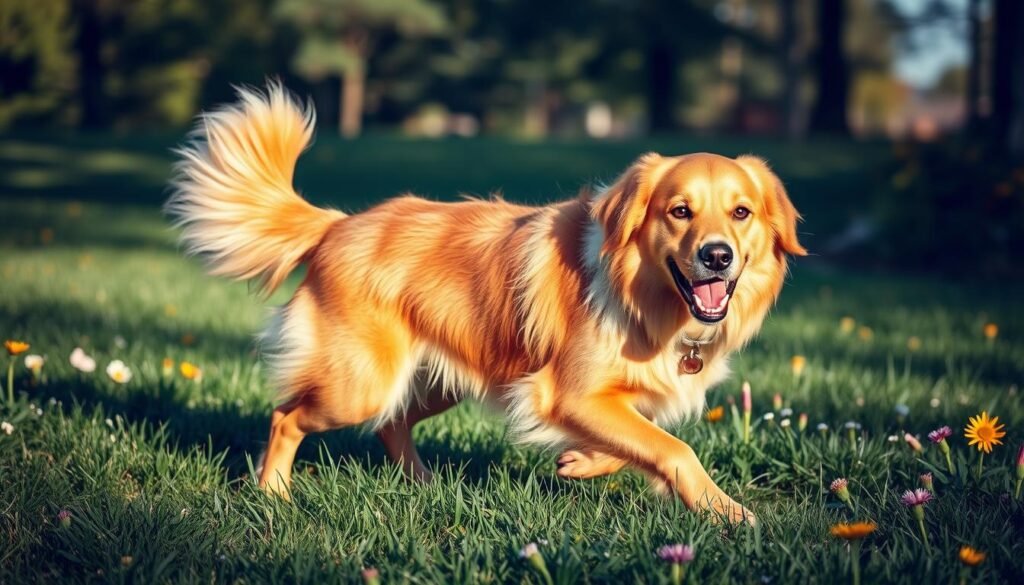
column 37, row 58
column 338, row 34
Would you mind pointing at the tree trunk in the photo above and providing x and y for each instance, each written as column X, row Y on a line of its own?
column 90, row 65
column 660, row 86
column 833, row 72
column 790, row 63
column 1008, row 77
column 974, row 114
column 353, row 91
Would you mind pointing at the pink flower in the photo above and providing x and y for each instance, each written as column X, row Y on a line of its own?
column 678, row 554
column 747, row 401
column 1020, row 456
column 940, row 434
column 914, row 498
column 928, row 481
column 838, row 484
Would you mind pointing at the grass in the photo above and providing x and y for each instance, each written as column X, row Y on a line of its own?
column 157, row 473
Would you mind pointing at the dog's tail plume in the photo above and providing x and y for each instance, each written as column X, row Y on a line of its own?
column 232, row 189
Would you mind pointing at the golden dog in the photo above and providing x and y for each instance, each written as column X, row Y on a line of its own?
column 593, row 322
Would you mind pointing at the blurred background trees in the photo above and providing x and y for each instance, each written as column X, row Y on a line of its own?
column 604, row 68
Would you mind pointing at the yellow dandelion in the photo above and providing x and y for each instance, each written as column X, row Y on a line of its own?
column 846, row 324
column 991, row 331
column 971, row 557
column 984, row 432
column 913, row 343
column 715, row 414
column 853, row 530
column 191, row 371
column 797, row 363
column 15, row 347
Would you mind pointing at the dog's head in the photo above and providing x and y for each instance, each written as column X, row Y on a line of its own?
column 706, row 228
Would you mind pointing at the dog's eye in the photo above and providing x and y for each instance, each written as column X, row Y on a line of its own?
column 681, row 212
column 741, row 213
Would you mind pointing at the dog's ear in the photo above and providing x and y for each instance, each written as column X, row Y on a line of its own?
column 783, row 215
column 623, row 205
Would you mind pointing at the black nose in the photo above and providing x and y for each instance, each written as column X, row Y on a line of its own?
column 716, row 256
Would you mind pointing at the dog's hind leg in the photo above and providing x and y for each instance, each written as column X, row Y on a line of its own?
column 397, row 434
column 586, row 463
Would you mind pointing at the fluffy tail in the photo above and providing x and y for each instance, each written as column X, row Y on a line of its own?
column 233, row 194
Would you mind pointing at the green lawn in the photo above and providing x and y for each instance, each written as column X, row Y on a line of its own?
column 157, row 473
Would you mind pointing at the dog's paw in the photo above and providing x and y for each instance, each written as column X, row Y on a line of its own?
column 584, row 464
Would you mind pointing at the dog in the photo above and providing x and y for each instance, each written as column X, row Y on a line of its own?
column 593, row 322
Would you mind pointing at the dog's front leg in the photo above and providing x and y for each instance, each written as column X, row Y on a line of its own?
column 609, row 420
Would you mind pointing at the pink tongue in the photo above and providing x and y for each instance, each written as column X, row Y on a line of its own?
column 711, row 293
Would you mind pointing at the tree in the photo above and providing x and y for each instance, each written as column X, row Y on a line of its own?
column 1008, row 77
column 830, row 110
column 338, row 37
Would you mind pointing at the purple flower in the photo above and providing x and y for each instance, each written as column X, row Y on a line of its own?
column 64, row 518
column 940, row 434
column 914, row 498
column 677, row 554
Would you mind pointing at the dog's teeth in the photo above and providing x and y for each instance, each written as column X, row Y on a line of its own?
column 699, row 303
column 723, row 302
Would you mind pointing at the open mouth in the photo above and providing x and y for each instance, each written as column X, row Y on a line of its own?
column 708, row 299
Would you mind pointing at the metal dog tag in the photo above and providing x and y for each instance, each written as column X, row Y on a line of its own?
column 691, row 363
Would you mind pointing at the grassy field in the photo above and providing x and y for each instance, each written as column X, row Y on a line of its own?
column 157, row 473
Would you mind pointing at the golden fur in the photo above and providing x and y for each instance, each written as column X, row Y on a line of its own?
column 565, row 315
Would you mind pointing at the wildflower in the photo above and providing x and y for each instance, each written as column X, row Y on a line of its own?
column 913, row 343
column 64, row 518
column 777, row 401
column 853, row 533
column 971, row 557
column 840, row 488
column 801, row 424
column 532, row 554
column 797, row 363
column 716, row 414
column 785, row 423
column 188, row 339
column 851, row 434
column 6, row 427
column 928, row 482
column 991, row 331
column 786, row 412
column 934, row 402
column 984, row 432
column 748, row 406
column 119, row 372
column 939, row 436
column 127, row 561
column 679, row 555
column 769, row 417
column 915, row 500
column 865, row 333
column 371, row 576
column 81, row 361
column 902, row 411
column 893, row 438
column 191, row 371
column 846, row 324
column 34, row 363
column 854, row 530
column 913, row 443
column 822, row 428
column 1020, row 471
column 14, row 347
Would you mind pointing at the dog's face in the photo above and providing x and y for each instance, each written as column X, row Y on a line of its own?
column 699, row 221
